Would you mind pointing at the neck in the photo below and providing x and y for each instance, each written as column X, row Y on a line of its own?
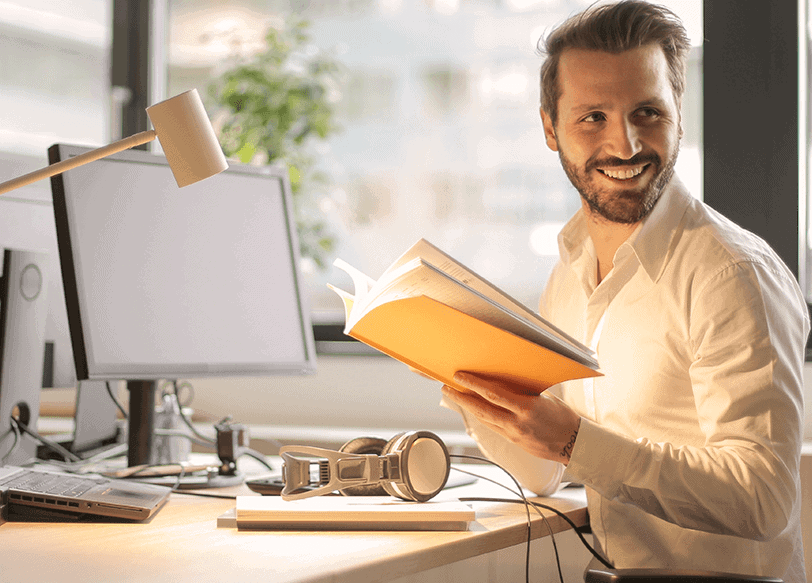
column 607, row 238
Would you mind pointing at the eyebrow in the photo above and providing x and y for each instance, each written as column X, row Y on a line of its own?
column 654, row 101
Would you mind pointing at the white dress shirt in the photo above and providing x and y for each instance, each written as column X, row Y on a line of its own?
column 689, row 446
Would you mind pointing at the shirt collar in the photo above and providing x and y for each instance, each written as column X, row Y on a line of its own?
column 660, row 229
column 649, row 243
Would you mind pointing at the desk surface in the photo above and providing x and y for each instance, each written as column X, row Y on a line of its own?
column 183, row 543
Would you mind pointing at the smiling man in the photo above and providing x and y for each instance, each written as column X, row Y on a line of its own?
column 689, row 445
column 627, row 144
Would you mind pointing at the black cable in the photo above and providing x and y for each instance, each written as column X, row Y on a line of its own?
column 186, row 420
column 543, row 518
column 589, row 547
column 257, row 456
column 207, row 441
column 205, row 494
column 14, row 445
column 118, row 404
column 521, row 495
column 69, row 456
column 566, row 518
column 184, row 385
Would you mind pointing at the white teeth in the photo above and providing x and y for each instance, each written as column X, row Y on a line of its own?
column 623, row 174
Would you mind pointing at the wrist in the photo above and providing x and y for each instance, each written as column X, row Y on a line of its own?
column 566, row 451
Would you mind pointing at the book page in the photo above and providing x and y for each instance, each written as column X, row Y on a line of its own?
column 347, row 299
column 362, row 282
column 458, row 271
column 418, row 277
column 384, row 290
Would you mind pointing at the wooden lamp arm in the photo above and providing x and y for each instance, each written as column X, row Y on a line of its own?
column 81, row 159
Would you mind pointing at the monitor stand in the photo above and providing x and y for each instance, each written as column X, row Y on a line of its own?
column 141, row 422
column 140, row 441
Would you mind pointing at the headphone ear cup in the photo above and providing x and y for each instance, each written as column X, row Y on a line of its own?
column 364, row 445
column 390, row 445
column 424, row 465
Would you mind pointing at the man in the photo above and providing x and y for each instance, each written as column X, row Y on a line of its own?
column 689, row 445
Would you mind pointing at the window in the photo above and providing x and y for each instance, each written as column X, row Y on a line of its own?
column 55, row 87
column 56, row 68
column 441, row 136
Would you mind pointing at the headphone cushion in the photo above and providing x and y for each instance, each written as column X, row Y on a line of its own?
column 364, row 445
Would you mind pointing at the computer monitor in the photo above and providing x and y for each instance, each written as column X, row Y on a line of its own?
column 163, row 283
column 95, row 429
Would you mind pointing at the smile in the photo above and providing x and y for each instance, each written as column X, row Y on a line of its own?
column 624, row 174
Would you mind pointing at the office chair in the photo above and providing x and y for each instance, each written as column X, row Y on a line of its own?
column 604, row 575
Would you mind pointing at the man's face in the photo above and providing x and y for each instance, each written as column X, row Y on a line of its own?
column 618, row 129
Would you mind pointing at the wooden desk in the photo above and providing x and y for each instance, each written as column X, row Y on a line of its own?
column 183, row 543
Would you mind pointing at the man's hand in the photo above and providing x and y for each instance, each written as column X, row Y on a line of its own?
column 541, row 425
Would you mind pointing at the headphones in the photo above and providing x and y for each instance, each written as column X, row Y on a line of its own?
column 413, row 465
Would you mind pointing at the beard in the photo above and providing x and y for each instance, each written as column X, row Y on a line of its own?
column 627, row 206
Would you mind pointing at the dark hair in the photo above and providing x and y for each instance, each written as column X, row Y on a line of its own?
column 615, row 28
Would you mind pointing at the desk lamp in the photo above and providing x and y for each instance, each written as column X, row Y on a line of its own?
column 185, row 133
column 192, row 152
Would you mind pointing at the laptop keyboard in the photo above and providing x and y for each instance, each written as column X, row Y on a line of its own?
column 48, row 483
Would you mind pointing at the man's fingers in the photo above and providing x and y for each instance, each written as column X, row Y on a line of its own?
column 465, row 398
column 495, row 391
column 484, row 410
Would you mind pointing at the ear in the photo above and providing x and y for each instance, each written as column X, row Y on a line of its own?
column 549, row 130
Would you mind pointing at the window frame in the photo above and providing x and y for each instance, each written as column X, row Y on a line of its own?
column 748, row 149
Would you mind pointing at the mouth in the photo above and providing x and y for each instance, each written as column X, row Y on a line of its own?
column 626, row 173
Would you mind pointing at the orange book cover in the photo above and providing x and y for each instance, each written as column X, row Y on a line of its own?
column 428, row 319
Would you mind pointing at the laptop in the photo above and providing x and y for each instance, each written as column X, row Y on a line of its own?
column 52, row 496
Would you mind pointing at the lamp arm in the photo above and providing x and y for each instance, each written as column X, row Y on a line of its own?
column 81, row 159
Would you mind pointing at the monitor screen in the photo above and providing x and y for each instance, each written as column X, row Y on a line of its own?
column 164, row 282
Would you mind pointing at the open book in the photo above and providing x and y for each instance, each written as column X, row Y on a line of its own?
column 437, row 316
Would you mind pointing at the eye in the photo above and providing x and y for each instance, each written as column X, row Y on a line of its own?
column 647, row 112
column 594, row 117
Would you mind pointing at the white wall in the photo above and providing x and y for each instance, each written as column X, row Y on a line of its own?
column 351, row 391
column 346, row 391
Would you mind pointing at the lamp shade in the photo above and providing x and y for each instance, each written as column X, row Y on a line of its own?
column 187, row 138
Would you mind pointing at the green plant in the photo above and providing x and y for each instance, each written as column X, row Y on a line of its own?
column 269, row 107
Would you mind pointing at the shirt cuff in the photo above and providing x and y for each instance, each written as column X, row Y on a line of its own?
column 598, row 459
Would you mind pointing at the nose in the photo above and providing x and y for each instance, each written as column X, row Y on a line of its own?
column 623, row 139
